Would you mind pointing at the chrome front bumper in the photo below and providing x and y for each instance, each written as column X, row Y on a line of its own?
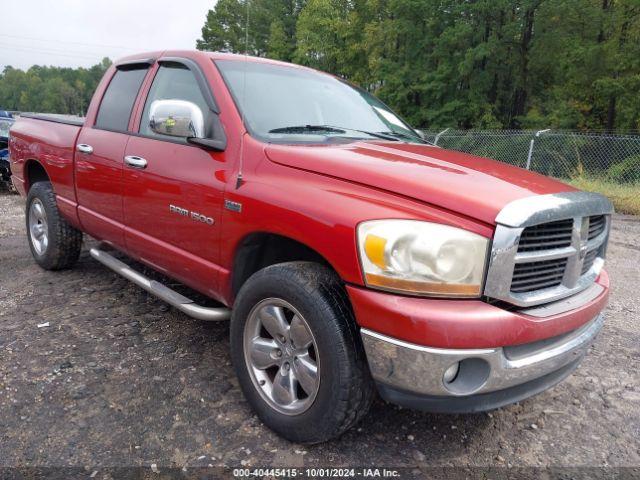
column 419, row 370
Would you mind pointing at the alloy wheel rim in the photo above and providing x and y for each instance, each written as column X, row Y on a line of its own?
column 38, row 227
column 282, row 356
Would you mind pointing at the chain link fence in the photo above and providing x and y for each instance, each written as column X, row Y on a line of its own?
column 561, row 154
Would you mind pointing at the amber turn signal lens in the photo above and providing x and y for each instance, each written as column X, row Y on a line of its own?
column 423, row 288
column 374, row 248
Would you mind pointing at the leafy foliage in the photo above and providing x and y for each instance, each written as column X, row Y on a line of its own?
column 627, row 171
column 458, row 63
column 570, row 64
column 50, row 89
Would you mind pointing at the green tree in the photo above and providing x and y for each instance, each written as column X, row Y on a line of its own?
column 459, row 63
column 224, row 28
column 50, row 89
column 271, row 27
column 279, row 47
column 320, row 35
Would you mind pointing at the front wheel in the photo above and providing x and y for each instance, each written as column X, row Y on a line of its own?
column 297, row 352
column 54, row 243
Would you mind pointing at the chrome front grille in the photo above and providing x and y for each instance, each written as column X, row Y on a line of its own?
column 563, row 240
column 548, row 247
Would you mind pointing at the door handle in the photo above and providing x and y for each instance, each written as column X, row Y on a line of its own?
column 135, row 161
column 84, row 148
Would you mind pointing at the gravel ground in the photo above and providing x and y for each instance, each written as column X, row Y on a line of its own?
column 120, row 379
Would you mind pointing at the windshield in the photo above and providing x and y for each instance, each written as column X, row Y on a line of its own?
column 283, row 104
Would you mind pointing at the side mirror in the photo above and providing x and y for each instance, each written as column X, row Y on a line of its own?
column 176, row 118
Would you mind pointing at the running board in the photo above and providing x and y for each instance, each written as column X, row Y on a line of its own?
column 161, row 291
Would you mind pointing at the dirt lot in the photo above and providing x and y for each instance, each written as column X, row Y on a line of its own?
column 120, row 379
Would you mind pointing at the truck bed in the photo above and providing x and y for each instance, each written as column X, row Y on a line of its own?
column 57, row 118
column 48, row 140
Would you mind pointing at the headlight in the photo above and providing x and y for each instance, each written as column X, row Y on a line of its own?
column 422, row 258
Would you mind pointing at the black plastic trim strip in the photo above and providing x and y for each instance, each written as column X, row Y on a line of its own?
column 138, row 63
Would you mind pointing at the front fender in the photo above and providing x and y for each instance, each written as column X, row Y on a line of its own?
column 319, row 212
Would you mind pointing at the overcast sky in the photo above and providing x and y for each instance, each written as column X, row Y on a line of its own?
column 76, row 33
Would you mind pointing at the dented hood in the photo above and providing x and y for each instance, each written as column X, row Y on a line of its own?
column 473, row 186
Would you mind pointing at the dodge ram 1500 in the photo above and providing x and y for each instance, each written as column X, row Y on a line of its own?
column 349, row 254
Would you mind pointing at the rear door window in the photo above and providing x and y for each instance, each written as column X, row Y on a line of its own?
column 117, row 102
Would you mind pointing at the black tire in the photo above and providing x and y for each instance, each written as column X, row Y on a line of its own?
column 345, row 388
column 64, row 241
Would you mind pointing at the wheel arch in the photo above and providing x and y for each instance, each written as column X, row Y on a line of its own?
column 34, row 172
column 258, row 250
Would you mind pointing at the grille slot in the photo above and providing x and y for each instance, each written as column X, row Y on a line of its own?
column 531, row 276
column 597, row 224
column 546, row 236
column 589, row 258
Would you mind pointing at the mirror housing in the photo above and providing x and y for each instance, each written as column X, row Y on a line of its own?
column 176, row 118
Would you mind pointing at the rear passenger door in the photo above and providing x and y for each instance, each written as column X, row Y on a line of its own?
column 173, row 191
column 99, row 156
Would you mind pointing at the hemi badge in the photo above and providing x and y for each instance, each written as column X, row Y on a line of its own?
column 233, row 206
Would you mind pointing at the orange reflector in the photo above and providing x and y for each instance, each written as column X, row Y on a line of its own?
column 374, row 248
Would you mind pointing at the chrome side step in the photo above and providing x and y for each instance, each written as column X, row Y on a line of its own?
column 161, row 291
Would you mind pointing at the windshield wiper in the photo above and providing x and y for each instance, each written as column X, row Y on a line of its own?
column 329, row 129
column 307, row 128
column 406, row 136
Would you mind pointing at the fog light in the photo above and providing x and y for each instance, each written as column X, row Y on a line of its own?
column 451, row 373
column 466, row 376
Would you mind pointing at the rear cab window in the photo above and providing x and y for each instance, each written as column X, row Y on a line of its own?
column 117, row 102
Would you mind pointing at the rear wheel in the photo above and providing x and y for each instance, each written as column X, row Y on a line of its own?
column 54, row 244
column 297, row 352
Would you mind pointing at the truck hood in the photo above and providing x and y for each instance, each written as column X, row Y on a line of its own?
column 472, row 186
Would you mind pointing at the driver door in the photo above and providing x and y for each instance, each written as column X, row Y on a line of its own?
column 172, row 197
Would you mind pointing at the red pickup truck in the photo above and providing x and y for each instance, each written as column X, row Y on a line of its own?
column 348, row 253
